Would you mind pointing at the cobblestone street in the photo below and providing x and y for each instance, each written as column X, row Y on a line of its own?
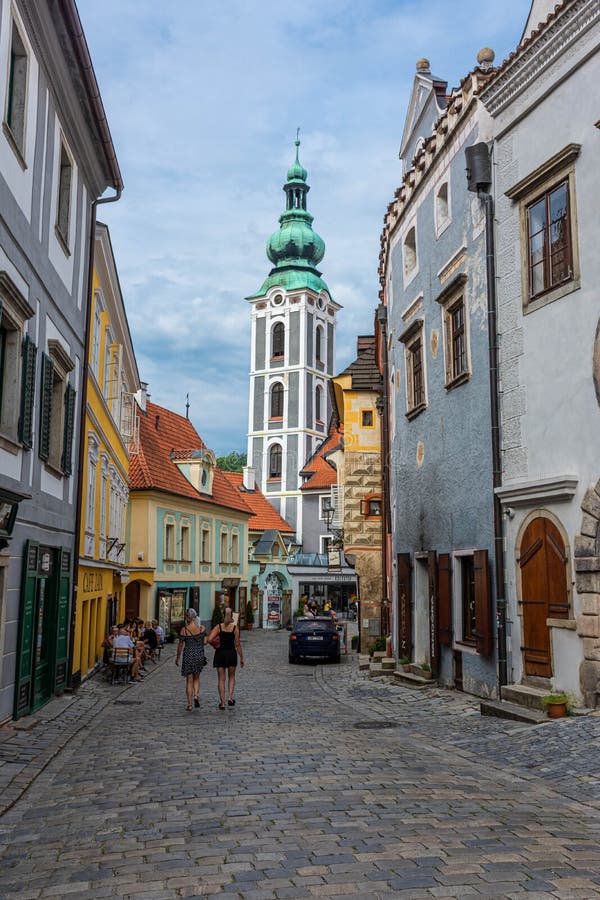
column 319, row 783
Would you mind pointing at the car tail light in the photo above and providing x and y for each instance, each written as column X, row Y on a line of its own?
column 293, row 637
column 335, row 637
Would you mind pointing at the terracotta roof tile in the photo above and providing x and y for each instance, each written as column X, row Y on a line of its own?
column 264, row 516
column 161, row 432
column 321, row 472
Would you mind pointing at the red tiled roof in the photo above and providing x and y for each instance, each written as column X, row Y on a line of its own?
column 321, row 473
column 264, row 516
column 161, row 433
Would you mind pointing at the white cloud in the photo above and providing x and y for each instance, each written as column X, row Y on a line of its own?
column 203, row 100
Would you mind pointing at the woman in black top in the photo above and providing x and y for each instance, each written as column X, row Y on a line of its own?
column 226, row 656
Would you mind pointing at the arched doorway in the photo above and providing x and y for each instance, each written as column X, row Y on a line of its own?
column 132, row 600
column 544, row 592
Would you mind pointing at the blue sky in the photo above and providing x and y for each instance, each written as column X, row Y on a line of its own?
column 203, row 98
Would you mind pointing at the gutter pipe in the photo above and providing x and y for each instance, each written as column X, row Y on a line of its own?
column 488, row 201
column 385, row 458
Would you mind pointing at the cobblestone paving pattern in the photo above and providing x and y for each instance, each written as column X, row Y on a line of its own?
column 298, row 791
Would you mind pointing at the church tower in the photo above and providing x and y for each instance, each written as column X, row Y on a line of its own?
column 292, row 357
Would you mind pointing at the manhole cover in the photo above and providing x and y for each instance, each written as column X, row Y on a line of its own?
column 128, row 702
column 376, row 726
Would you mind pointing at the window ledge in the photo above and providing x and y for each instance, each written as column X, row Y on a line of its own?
column 275, row 418
column 13, row 145
column 10, row 444
column 416, row 411
column 550, row 296
column 62, row 241
column 466, row 646
column 320, row 364
column 54, row 469
column 460, row 379
column 277, row 358
column 568, row 624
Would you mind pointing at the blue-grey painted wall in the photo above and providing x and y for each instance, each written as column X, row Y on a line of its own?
column 446, row 503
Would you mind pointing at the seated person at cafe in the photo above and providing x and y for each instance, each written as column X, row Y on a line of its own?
column 160, row 632
column 151, row 641
column 124, row 650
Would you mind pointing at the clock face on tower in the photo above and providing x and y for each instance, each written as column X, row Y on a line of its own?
column 320, row 303
column 277, row 299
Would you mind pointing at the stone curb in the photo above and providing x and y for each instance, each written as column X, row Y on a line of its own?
column 13, row 789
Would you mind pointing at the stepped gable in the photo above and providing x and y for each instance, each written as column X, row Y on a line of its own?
column 264, row 517
column 321, row 473
column 363, row 371
column 162, row 433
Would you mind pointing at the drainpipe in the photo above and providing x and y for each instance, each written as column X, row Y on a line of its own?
column 479, row 180
column 382, row 408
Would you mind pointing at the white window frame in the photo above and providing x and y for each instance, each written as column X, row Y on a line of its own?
column 14, row 315
column 448, row 299
column 409, row 272
column 415, row 332
column 205, row 544
column 170, row 536
column 15, row 138
column 458, row 642
column 64, row 195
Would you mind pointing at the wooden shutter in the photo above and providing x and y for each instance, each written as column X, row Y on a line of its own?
column 23, row 687
column 29, row 354
column 46, row 407
column 434, row 637
column 404, row 606
column 445, row 599
column 556, row 567
column 410, row 391
column 67, row 454
column 62, row 620
column 483, row 603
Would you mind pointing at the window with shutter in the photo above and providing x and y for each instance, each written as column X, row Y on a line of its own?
column 483, row 603
column 67, row 454
column 14, row 313
column 46, row 407
column 445, row 599
column 29, row 355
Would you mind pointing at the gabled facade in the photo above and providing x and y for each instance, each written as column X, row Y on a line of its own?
column 357, row 391
column 546, row 120
column 270, row 543
column 434, row 342
column 292, row 356
column 188, row 526
column 111, row 429
column 56, row 159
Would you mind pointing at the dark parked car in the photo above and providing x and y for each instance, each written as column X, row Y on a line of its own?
column 314, row 638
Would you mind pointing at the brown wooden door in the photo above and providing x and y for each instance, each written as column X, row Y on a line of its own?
column 404, row 608
column 544, row 594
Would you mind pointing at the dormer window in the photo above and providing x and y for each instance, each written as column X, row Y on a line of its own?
column 198, row 467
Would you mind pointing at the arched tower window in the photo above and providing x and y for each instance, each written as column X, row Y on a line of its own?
column 319, row 404
column 319, row 344
column 410, row 252
column 275, row 458
column 276, row 407
column 278, row 340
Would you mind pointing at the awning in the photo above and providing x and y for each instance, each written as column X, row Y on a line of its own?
column 230, row 582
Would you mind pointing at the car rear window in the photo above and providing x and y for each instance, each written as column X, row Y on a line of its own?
column 315, row 625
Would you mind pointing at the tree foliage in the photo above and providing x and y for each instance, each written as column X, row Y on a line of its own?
column 233, row 462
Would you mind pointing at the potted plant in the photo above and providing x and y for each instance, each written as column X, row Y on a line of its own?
column 405, row 663
column 354, row 641
column 557, row 705
column 249, row 616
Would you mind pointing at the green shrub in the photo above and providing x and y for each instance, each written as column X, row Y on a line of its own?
column 405, row 661
column 354, row 641
column 378, row 644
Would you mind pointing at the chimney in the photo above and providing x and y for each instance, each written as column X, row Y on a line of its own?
column 142, row 396
column 248, row 479
column 364, row 343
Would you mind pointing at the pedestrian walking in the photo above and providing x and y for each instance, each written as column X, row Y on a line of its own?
column 226, row 656
column 191, row 645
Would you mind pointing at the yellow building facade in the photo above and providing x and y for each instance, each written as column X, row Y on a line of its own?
column 111, row 421
column 358, row 465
